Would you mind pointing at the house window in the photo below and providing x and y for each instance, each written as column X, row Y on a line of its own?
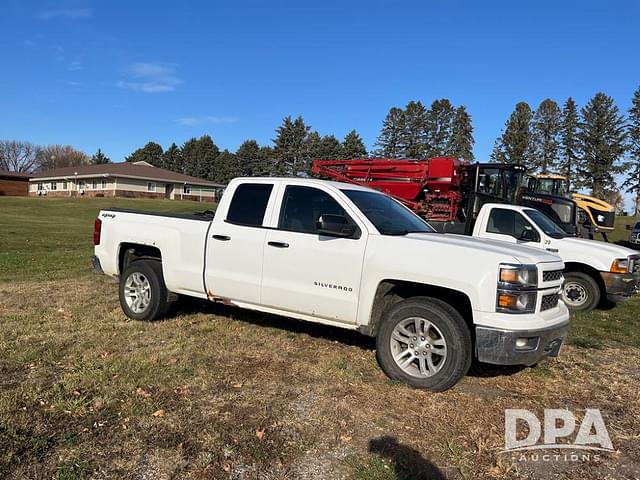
column 81, row 185
column 186, row 189
column 151, row 187
column 94, row 184
column 40, row 187
column 54, row 185
column 64, row 185
column 103, row 184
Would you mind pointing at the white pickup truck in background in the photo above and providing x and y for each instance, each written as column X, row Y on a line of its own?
column 346, row 256
column 593, row 269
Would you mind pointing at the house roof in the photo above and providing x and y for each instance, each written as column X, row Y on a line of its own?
column 15, row 175
column 140, row 170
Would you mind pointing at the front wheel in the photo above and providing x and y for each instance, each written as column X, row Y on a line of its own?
column 580, row 292
column 425, row 343
column 143, row 294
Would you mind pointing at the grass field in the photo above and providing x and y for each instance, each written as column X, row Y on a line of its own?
column 219, row 393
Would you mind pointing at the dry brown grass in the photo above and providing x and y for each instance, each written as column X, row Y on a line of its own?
column 220, row 393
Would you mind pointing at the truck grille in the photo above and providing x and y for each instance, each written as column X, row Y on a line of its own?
column 551, row 275
column 634, row 265
column 549, row 301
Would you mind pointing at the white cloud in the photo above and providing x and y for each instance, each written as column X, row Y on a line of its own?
column 70, row 13
column 151, row 77
column 76, row 65
column 194, row 121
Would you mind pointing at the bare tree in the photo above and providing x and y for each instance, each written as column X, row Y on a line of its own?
column 18, row 156
column 58, row 156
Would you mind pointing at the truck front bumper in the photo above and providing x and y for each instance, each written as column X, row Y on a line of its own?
column 519, row 347
column 620, row 284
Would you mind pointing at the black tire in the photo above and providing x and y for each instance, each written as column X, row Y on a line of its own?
column 577, row 284
column 159, row 303
column 453, row 330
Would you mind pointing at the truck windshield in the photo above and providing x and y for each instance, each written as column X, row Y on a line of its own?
column 388, row 215
column 547, row 225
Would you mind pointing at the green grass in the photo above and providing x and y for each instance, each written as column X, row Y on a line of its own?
column 50, row 238
column 621, row 234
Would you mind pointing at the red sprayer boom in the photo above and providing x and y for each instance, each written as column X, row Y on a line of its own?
column 432, row 188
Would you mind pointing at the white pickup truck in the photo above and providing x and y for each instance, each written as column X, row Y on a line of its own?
column 346, row 256
column 593, row 269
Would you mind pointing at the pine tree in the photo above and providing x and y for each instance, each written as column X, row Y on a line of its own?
column 150, row 153
column 514, row 145
column 291, row 147
column 546, row 127
column 439, row 128
column 632, row 179
column 602, row 143
column 228, row 167
column 323, row 148
column 569, row 141
column 353, row 146
column 200, row 156
column 172, row 159
column 389, row 141
column 461, row 142
column 414, row 137
column 248, row 155
column 99, row 158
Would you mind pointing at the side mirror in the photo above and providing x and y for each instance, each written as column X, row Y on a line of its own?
column 335, row 226
column 528, row 235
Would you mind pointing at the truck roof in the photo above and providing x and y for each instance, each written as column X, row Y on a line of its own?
column 307, row 181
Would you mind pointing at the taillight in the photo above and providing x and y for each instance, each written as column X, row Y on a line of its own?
column 97, row 227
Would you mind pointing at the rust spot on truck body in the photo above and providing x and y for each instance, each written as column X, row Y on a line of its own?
column 214, row 298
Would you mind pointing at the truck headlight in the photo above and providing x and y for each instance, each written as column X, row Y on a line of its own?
column 518, row 276
column 620, row 265
column 516, row 302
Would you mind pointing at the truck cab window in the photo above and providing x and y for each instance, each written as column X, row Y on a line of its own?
column 249, row 203
column 302, row 207
column 509, row 222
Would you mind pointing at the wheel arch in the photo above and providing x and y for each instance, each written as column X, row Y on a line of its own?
column 129, row 252
column 588, row 270
column 391, row 291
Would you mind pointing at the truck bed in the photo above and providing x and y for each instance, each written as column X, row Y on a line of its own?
column 205, row 216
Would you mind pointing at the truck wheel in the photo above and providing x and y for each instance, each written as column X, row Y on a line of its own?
column 580, row 292
column 143, row 294
column 425, row 343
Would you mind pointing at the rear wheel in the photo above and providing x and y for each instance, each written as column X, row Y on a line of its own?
column 580, row 292
column 143, row 294
column 425, row 343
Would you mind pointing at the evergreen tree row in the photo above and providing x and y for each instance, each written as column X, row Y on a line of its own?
column 294, row 147
column 589, row 147
column 418, row 132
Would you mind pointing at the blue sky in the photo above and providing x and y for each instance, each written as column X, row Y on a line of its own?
column 116, row 74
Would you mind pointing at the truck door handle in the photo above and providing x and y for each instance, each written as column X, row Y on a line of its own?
column 223, row 238
column 278, row 244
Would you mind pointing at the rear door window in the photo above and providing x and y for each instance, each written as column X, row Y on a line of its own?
column 249, row 204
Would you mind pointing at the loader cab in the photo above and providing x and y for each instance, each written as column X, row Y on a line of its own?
column 549, row 184
column 489, row 183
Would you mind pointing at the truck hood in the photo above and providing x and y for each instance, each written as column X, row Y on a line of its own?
column 521, row 253
column 615, row 251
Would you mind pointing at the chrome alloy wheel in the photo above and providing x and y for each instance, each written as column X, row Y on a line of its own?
column 574, row 294
column 418, row 347
column 137, row 292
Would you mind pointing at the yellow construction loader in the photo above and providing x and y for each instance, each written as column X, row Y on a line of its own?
column 594, row 215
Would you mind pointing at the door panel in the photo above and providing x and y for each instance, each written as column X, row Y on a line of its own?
column 235, row 245
column 309, row 273
column 314, row 275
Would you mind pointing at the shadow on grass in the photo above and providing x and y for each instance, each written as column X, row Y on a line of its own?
column 189, row 305
column 407, row 462
column 316, row 330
